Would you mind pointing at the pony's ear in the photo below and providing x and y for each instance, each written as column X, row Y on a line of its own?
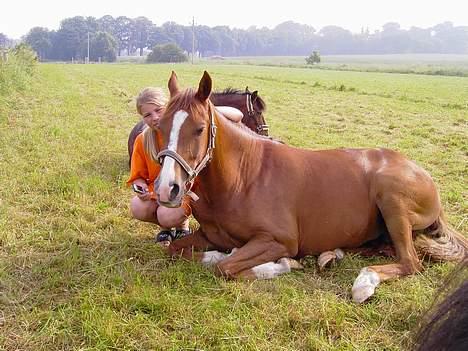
column 204, row 88
column 247, row 89
column 254, row 96
column 173, row 85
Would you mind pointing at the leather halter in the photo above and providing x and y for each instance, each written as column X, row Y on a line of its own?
column 251, row 113
column 193, row 172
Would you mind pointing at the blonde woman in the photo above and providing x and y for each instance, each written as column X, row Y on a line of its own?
column 144, row 169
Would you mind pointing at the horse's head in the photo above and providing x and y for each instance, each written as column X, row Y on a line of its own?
column 255, row 107
column 188, row 132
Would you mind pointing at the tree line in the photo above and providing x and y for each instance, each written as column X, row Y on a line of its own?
column 110, row 37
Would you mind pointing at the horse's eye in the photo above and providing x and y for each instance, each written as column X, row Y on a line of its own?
column 199, row 131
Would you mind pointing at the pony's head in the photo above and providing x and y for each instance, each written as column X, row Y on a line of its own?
column 255, row 119
column 188, row 132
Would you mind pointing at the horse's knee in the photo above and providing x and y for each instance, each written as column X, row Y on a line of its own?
column 411, row 265
column 226, row 270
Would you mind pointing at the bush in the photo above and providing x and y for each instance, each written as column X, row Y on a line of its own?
column 167, row 53
column 16, row 68
column 313, row 58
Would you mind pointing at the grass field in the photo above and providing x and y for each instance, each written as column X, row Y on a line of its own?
column 77, row 273
column 431, row 64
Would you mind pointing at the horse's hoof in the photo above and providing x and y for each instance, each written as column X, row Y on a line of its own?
column 293, row 264
column 328, row 258
column 364, row 285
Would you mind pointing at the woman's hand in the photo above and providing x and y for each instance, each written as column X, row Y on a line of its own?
column 141, row 185
column 144, row 197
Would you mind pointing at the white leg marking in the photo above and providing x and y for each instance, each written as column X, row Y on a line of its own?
column 167, row 174
column 364, row 285
column 271, row 269
column 210, row 258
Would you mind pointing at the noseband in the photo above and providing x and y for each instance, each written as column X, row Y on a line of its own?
column 251, row 113
column 193, row 172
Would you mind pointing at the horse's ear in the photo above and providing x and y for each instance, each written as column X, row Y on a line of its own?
column 254, row 96
column 204, row 88
column 173, row 85
column 247, row 89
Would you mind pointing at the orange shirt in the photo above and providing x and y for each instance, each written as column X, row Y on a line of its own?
column 142, row 166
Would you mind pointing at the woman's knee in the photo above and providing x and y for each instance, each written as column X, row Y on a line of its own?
column 171, row 217
column 142, row 210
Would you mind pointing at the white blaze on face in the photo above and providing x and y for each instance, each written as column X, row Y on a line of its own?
column 167, row 175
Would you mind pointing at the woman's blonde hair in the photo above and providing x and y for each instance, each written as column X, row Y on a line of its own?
column 156, row 97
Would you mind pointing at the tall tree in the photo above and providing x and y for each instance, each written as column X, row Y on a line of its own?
column 107, row 24
column 103, row 46
column 39, row 39
column 140, row 32
column 174, row 31
column 72, row 37
column 123, row 32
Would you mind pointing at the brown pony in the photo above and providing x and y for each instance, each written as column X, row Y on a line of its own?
column 249, row 103
column 267, row 202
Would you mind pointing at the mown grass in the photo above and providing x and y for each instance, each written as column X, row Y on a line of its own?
column 426, row 64
column 76, row 272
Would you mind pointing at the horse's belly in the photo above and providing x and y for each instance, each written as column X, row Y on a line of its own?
column 345, row 232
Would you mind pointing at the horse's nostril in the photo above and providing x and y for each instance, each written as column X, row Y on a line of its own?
column 174, row 191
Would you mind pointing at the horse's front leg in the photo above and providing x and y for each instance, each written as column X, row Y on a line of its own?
column 193, row 247
column 257, row 260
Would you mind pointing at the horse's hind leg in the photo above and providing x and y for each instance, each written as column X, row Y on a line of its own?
column 400, row 230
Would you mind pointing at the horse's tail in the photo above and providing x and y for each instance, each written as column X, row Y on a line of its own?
column 441, row 242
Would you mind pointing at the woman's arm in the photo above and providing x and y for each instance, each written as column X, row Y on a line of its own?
column 230, row 113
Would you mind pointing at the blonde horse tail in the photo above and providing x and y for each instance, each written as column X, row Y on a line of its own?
column 441, row 242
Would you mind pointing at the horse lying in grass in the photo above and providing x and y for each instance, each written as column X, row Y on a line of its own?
column 269, row 202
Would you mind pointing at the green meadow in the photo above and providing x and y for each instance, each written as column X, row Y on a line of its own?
column 78, row 273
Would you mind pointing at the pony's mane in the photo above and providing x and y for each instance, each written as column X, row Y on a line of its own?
column 230, row 91
column 233, row 91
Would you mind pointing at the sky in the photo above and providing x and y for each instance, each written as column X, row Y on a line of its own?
column 17, row 17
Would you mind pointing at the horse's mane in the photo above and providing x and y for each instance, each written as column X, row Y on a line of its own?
column 183, row 101
column 233, row 91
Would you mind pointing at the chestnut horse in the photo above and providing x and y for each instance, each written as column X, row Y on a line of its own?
column 249, row 103
column 269, row 202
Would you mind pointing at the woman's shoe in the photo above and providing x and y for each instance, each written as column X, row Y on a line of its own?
column 165, row 235
column 180, row 233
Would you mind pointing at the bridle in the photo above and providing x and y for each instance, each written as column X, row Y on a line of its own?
column 251, row 113
column 193, row 172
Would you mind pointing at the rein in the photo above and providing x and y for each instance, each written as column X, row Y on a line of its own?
column 251, row 113
column 193, row 172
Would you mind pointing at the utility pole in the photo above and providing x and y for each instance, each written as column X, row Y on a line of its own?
column 88, row 47
column 193, row 38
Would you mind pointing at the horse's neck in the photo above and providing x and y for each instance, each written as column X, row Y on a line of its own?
column 235, row 157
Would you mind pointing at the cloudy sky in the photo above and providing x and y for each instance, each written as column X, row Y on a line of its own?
column 18, row 16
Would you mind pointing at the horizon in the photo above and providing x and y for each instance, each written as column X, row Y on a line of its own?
column 361, row 14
